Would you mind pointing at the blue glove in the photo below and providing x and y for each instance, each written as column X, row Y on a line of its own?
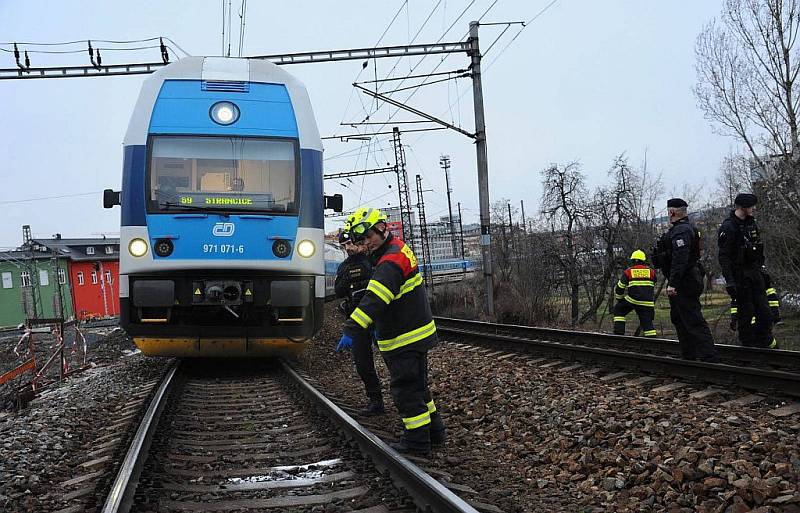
column 345, row 343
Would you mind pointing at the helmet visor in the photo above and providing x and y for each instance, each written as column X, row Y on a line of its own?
column 359, row 231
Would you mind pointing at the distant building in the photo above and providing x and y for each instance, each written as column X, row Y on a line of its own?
column 30, row 282
column 93, row 273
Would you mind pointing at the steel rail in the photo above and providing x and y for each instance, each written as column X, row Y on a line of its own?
column 120, row 498
column 750, row 355
column 785, row 383
column 427, row 493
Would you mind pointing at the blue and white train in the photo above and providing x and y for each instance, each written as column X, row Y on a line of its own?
column 222, row 212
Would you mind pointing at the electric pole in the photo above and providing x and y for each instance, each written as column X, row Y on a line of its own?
column 423, row 226
column 402, row 188
column 461, row 235
column 522, row 207
column 444, row 163
column 483, row 165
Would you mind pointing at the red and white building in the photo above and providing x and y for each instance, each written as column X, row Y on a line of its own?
column 94, row 273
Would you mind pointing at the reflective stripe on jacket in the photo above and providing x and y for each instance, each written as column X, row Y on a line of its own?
column 395, row 301
column 637, row 286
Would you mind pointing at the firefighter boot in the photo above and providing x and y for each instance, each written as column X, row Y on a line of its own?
column 415, row 442
column 438, row 432
column 374, row 407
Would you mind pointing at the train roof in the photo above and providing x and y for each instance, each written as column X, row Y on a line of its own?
column 224, row 69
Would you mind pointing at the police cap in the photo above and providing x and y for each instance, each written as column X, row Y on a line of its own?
column 676, row 203
column 745, row 200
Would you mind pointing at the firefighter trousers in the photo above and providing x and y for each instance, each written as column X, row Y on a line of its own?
column 694, row 335
column 646, row 315
column 365, row 365
column 751, row 301
column 422, row 423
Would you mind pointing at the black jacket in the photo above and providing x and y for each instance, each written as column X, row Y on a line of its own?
column 740, row 247
column 682, row 244
column 395, row 302
column 352, row 278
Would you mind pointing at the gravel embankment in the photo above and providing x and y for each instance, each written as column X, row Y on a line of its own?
column 539, row 439
column 50, row 442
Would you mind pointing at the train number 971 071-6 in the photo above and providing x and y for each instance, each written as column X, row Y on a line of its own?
column 223, row 248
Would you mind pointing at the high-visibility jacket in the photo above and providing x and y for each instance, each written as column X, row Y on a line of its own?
column 395, row 301
column 637, row 286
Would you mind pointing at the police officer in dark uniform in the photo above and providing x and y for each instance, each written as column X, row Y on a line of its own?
column 741, row 257
column 352, row 278
column 677, row 254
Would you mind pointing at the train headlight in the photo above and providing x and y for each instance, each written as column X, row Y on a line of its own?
column 224, row 113
column 306, row 248
column 137, row 247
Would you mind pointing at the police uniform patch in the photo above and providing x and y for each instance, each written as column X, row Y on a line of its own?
column 679, row 243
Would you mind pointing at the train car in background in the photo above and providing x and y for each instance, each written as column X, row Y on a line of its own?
column 334, row 255
column 221, row 239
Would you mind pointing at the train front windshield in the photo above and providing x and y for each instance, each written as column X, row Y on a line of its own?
column 222, row 173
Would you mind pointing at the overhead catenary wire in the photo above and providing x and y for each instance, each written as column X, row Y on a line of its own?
column 26, row 200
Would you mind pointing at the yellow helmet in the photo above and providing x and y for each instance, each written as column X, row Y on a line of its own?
column 639, row 255
column 362, row 220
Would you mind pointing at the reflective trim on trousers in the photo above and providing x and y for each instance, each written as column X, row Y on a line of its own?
column 423, row 419
column 431, row 406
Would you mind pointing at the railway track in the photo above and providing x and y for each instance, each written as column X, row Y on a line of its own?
column 749, row 368
column 260, row 439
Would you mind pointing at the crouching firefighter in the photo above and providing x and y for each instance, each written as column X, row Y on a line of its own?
column 635, row 290
column 397, row 305
column 352, row 278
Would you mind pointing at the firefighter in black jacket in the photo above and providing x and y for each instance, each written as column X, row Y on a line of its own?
column 677, row 254
column 397, row 305
column 741, row 256
column 635, row 291
column 352, row 278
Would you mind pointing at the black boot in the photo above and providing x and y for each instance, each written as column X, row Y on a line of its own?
column 438, row 437
column 404, row 446
column 438, row 432
column 374, row 407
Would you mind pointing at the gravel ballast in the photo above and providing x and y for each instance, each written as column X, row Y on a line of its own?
column 532, row 438
column 51, row 441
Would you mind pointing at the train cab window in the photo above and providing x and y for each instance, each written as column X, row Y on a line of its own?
column 222, row 173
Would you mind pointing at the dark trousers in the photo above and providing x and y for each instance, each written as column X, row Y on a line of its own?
column 694, row 335
column 646, row 315
column 412, row 397
column 365, row 365
column 751, row 300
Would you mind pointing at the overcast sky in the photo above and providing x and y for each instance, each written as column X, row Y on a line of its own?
column 585, row 81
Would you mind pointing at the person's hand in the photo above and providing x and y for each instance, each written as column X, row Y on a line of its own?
column 671, row 291
column 731, row 290
column 346, row 343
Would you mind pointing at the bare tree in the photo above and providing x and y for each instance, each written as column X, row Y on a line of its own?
column 565, row 205
column 748, row 62
column 747, row 65
column 733, row 178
